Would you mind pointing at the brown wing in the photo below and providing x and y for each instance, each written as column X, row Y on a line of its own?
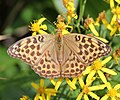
column 38, row 51
column 80, row 51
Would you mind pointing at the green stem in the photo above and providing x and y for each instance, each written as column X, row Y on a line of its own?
column 81, row 12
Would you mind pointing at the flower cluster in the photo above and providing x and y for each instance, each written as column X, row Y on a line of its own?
column 69, row 5
column 114, row 25
column 94, row 78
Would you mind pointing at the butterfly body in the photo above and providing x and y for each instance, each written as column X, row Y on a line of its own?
column 59, row 42
column 59, row 55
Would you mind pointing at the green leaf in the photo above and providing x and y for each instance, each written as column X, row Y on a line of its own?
column 93, row 8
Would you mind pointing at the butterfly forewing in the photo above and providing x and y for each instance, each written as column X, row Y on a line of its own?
column 37, row 51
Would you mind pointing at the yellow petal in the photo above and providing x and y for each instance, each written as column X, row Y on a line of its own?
column 75, row 16
column 37, row 97
column 106, row 60
column 102, row 39
column 65, row 32
column 111, row 3
column 58, row 84
column 87, row 70
column 109, row 27
column 42, row 83
column 108, row 85
column 99, row 87
column 117, row 87
column 44, row 27
column 113, row 31
column 42, row 32
column 43, row 96
column 105, row 22
column 50, row 91
column 86, row 97
column 97, row 24
column 93, row 95
column 92, row 27
column 53, row 81
column 81, row 82
column 34, row 85
column 48, row 96
column 72, row 85
column 102, row 76
column 41, row 20
column 113, row 19
column 71, row 27
column 90, row 76
column 105, row 97
column 74, row 82
column 109, row 71
column 40, row 98
column 113, row 98
column 79, row 96
column 119, row 15
column 24, row 98
column 34, row 33
column 118, row 1
column 118, row 95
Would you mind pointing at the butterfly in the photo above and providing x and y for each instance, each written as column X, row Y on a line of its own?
column 57, row 55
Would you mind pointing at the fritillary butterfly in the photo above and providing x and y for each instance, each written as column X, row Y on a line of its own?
column 59, row 55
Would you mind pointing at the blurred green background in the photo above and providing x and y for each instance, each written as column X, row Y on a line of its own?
column 15, row 16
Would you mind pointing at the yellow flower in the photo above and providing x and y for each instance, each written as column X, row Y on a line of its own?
column 37, row 27
column 24, row 98
column 62, row 26
column 69, row 5
column 113, row 93
column 42, row 91
column 98, row 67
column 87, row 89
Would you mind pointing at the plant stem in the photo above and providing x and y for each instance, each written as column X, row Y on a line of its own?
column 81, row 12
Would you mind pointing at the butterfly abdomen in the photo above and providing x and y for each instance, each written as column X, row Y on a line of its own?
column 59, row 47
